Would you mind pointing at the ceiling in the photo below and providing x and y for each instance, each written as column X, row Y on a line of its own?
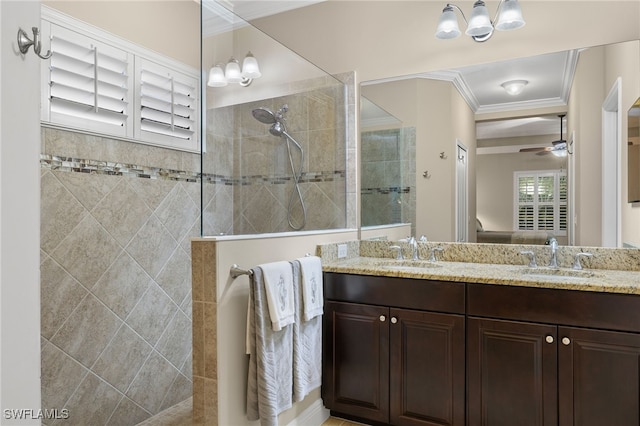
column 549, row 75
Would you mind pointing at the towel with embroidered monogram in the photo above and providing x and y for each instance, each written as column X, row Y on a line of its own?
column 278, row 282
column 312, row 295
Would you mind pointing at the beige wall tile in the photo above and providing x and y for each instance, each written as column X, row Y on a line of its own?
column 87, row 331
column 122, row 359
column 60, row 294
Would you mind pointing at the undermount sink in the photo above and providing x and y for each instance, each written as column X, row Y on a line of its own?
column 558, row 274
column 409, row 265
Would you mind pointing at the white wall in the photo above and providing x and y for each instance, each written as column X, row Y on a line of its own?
column 19, row 215
column 247, row 252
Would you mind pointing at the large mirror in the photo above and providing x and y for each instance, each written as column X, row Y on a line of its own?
column 538, row 162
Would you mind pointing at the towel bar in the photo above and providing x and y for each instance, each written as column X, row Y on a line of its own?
column 236, row 271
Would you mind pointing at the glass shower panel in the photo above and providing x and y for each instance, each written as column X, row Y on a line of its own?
column 283, row 168
column 388, row 168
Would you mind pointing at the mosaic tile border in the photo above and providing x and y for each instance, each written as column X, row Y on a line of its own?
column 386, row 191
column 77, row 165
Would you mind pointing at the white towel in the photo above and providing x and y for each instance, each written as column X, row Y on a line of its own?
column 278, row 282
column 312, row 295
column 270, row 375
column 307, row 346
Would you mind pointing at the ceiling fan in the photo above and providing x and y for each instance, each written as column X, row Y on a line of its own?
column 558, row 147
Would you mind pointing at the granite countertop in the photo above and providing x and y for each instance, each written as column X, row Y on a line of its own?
column 598, row 280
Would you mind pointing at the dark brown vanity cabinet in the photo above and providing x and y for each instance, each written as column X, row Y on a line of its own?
column 552, row 357
column 393, row 350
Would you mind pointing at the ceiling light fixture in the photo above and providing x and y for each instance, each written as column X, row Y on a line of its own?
column 479, row 26
column 514, row 87
column 219, row 77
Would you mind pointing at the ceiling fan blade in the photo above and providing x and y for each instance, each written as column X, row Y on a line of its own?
column 538, row 149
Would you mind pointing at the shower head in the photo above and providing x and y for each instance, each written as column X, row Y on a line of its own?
column 265, row 116
column 277, row 129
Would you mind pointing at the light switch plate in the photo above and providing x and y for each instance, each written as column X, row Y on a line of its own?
column 342, row 251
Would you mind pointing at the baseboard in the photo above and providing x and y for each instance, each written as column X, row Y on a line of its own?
column 314, row 415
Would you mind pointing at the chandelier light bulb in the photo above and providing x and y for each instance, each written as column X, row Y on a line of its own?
column 216, row 77
column 250, row 68
column 232, row 71
column 448, row 24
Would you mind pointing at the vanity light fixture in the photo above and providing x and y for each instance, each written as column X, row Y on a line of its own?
column 479, row 26
column 219, row 77
column 514, row 87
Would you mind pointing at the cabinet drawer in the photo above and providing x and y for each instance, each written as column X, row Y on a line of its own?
column 440, row 296
column 552, row 306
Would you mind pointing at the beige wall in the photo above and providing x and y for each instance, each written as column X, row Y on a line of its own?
column 495, row 190
column 171, row 28
column 624, row 60
column 381, row 39
column 596, row 74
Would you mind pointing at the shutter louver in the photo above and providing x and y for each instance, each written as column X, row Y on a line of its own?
column 541, row 201
column 88, row 83
column 167, row 106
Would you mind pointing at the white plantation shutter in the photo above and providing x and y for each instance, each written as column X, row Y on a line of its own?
column 88, row 84
column 167, row 104
column 99, row 83
column 541, row 201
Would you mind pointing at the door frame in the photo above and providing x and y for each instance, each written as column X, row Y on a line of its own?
column 462, row 208
column 611, row 166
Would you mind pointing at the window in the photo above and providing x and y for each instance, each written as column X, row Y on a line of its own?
column 541, row 201
column 166, row 104
column 88, row 84
column 99, row 83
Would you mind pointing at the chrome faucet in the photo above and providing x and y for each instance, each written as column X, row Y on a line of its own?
column 414, row 248
column 553, row 262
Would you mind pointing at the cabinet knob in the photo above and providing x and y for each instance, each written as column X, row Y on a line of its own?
column 549, row 339
column 394, row 320
column 383, row 318
column 566, row 341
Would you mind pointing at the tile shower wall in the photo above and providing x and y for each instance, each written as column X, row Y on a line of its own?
column 247, row 167
column 388, row 177
column 116, row 223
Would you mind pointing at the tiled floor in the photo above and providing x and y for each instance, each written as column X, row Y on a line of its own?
column 180, row 415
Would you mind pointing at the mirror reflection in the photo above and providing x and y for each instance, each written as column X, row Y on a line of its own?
column 540, row 165
column 633, row 137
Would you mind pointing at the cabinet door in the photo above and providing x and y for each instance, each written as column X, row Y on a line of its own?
column 427, row 368
column 599, row 379
column 512, row 373
column 356, row 360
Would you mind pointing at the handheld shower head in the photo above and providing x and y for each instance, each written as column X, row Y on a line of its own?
column 277, row 129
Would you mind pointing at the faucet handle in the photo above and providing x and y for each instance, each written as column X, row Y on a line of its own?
column 423, row 239
column 432, row 253
column 399, row 253
column 532, row 258
column 576, row 262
